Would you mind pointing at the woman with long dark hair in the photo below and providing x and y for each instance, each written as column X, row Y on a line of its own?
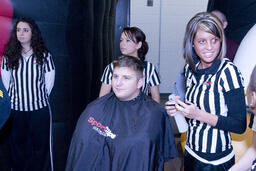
column 28, row 74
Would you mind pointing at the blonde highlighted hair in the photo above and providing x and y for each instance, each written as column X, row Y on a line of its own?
column 206, row 22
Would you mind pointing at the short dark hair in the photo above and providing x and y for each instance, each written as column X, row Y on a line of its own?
column 137, row 35
column 131, row 62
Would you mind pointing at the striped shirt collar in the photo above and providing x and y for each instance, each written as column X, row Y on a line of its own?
column 210, row 70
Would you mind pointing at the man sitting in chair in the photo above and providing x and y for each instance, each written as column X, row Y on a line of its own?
column 123, row 130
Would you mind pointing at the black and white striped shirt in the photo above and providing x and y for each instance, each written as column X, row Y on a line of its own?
column 30, row 84
column 206, row 88
column 149, row 72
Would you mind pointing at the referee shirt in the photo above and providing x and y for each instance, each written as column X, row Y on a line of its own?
column 217, row 90
column 151, row 77
column 30, row 84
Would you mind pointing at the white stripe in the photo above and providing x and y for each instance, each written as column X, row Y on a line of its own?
column 234, row 77
column 25, row 85
column 223, row 140
column 205, row 137
column 39, row 88
column 214, row 140
column 229, row 140
column 197, row 136
column 226, row 85
column 19, row 85
column 34, row 87
column 215, row 162
column 190, row 135
column 29, row 85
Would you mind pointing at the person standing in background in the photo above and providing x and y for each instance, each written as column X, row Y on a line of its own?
column 28, row 74
column 214, row 97
column 232, row 45
column 133, row 43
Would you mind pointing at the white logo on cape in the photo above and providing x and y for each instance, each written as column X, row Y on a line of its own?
column 106, row 133
column 101, row 129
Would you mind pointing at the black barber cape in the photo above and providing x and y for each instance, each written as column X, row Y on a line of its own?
column 121, row 136
column 5, row 105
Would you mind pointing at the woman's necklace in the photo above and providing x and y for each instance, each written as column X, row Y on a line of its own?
column 25, row 52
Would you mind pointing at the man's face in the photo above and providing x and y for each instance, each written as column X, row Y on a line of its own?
column 125, row 83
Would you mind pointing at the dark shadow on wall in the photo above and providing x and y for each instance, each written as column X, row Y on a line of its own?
column 80, row 36
column 240, row 15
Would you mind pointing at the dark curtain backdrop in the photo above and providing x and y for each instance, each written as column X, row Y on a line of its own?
column 80, row 36
column 241, row 16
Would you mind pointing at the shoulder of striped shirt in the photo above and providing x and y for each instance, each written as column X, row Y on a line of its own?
column 47, row 55
column 226, row 64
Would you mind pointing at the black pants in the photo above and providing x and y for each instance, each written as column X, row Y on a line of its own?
column 192, row 164
column 29, row 140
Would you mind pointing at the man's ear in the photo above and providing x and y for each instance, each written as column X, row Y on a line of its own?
column 139, row 44
column 140, row 83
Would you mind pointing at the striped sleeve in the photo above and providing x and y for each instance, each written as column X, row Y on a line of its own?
column 4, row 64
column 154, row 77
column 49, row 74
column 231, row 78
column 49, row 63
column 5, row 73
column 107, row 74
column 233, row 90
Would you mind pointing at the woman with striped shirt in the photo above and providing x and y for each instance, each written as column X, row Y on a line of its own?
column 133, row 43
column 214, row 97
column 28, row 74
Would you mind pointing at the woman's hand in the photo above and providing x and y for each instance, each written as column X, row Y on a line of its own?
column 170, row 108
column 188, row 109
column 191, row 111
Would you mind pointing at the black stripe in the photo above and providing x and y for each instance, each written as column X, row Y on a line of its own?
column 22, row 87
column 52, row 63
column 27, row 86
column 32, row 83
column 209, row 140
column 41, row 84
column 37, row 90
column 229, row 79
